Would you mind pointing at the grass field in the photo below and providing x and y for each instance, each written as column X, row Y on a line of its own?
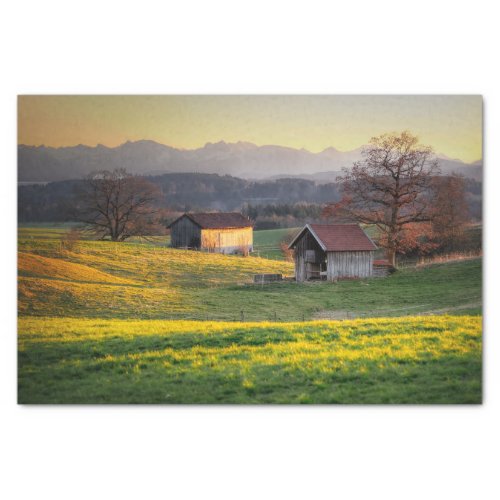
column 267, row 241
column 111, row 322
column 106, row 280
column 402, row 360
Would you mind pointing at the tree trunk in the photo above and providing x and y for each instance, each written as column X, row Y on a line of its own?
column 391, row 256
column 393, row 229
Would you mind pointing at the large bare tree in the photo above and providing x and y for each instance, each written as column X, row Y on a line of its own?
column 117, row 205
column 389, row 188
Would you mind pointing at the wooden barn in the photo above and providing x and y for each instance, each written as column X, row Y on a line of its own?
column 213, row 232
column 332, row 251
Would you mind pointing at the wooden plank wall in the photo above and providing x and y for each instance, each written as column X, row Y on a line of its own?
column 304, row 268
column 300, row 258
column 227, row 240
column 185, row 234
column 349, row 265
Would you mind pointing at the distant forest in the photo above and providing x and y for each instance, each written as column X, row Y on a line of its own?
column 283, row 202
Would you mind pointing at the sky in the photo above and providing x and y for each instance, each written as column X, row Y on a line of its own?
column 452, row 125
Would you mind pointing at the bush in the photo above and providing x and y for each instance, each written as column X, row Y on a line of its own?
column 71, row 239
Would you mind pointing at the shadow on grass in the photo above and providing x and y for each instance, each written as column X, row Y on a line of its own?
column 271, row 367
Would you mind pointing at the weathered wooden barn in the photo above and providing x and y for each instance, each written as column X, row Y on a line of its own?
column 332, row 251
column 213, row 232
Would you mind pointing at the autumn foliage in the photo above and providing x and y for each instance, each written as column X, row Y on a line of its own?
column 397, row 188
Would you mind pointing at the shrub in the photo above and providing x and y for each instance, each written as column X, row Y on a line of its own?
column 71, row 239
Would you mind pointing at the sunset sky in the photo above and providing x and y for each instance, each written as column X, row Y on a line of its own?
column 451, row 124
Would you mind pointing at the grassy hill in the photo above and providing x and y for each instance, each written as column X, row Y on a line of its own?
column 102, row 279
column 120, row 322
column 267, row 242
column 131, row 280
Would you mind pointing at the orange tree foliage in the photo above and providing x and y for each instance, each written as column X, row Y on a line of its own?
column 389, row 188
column 450, row 210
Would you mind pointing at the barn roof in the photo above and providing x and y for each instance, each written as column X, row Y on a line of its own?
column 218, row 220
column 338, row 237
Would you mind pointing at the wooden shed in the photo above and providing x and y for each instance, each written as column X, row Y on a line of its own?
column 213, row 232
column 332, row 251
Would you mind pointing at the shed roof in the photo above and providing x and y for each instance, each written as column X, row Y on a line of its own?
column 218, row 220
column 338, row 237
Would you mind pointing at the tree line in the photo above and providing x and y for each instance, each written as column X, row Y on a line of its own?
column 183, row 192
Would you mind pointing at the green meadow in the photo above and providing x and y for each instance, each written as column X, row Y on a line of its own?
column 140, row 322
column 436, row 359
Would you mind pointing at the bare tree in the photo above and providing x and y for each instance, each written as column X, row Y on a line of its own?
column 116, row 205
column 389, row 188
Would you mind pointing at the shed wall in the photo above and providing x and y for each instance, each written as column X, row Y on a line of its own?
column 308, row 258
column 229, row 240
column 349, row 265
column 184, row 233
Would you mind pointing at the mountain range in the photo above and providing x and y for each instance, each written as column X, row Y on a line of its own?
column 240, row 159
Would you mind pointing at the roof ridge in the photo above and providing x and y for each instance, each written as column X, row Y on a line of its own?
column 217, row 220
column 334, row 224
column 338, row 237
column 213, row 213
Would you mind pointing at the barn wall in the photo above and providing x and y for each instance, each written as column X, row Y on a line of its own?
column 300, row 258
column 349, row 265
column 227, row 240
column 185, row 233
column 308, row 257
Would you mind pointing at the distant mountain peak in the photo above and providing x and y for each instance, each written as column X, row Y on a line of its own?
column 248, row 145
column 330, row 149
column 215, row 144
column 442, row 156
column 142, row 142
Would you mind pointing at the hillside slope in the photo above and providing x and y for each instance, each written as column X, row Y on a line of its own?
column 127, row 280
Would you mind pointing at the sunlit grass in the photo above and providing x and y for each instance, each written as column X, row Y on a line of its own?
column 46, row 267
column 106, row 322
column 156, row 282
column 148, row 262
column 413, row 359
column 39, row 296
column 104, row 279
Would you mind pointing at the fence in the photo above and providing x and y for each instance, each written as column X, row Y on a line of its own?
column 275, row 315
